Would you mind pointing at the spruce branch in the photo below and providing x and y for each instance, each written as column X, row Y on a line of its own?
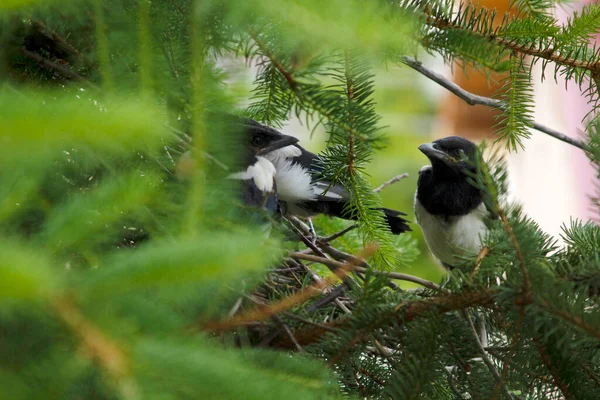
column 401, row 314
column 474, row 99
column 61, row 70
column 571, row 318
column 486, row 359
column 552, row 368
column 461, row 23
column 303, row 93
column 99, row 347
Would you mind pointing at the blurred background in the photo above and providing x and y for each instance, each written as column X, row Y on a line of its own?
column 555, row 182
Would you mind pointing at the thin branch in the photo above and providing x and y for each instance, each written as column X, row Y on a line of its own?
column 474, row 99
column 549, row 53
column 390, row 182
column 290, row 333
column 401, row 314
column 405, row 277
column 67, row 73
column 573, row 319
column 339, row 234
column 485, row 357
column 288, row 302
column 552, row 368
column 309, row 322
column 393, row 275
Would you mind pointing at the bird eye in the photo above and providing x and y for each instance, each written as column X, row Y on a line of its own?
column 257, row 140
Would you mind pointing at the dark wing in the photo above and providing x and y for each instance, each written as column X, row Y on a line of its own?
column 325, row 190
column 332, row 198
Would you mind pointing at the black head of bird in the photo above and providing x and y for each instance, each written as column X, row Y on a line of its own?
column 451, row 157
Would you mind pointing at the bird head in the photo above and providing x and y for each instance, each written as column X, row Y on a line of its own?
column 263, row 140
column 451, row 155
column 250, row 138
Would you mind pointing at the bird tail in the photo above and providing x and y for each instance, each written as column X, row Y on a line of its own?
column 396, row 223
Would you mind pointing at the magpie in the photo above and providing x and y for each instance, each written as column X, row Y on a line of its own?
column 258, row 186
column 302, row 192
column 449, row 209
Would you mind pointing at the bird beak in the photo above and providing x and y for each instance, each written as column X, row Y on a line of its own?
column 282, row 142
column 434, row 154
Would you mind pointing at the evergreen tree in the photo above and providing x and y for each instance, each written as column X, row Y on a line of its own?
column 128, row 270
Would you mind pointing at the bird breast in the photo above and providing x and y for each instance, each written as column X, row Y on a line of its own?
column 449, row 237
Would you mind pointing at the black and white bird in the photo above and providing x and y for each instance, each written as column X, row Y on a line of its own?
column 302, row 193
column 449, row 209
column 258, row 184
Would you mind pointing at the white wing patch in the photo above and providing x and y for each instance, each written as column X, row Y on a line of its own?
column 464, row 235
column 293, row 181
column 423, row 168
column 326, row 189
column 262, row 172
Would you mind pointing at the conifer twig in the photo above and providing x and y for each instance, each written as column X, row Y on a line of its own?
column 336, row 235
column 551, row 368
column 484, row 356
column 67, row 73
column 288, row 302
column 548, row 53
column 394, row 275
column 390, row 182
column 474, row 99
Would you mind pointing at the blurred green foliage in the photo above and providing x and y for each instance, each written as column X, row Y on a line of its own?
column 122, row 243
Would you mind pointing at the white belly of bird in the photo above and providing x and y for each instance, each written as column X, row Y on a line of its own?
column 456, row 237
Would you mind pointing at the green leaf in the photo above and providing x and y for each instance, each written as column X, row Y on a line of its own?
column 9, row 4
column 25, row 274
column 84, row 218
column 187, row 261
column 164, row 366
column 38, row 122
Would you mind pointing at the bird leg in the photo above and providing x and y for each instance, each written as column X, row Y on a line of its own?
column 312, row 232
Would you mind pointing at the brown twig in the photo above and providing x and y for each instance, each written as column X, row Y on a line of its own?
column 286, row 303
column 573, row 319
column 289, row 332
column 395, row 179
column 407, row 278
column 484, row 356
column 394, row 275
column 67, row 73
column 309, row 322
column 339, row 234
column 549, row 54
column 473, row 99
column 408, row 311
column 552, row 368
column 402, row 314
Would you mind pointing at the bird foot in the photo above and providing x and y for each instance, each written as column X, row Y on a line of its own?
column 312, row 233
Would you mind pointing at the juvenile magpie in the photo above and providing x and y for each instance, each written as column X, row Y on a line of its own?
column 302, row 193
column 258, row 187
column 449, row 209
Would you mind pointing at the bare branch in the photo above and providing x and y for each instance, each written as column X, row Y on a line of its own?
column 474, row 99
column 390, row 182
